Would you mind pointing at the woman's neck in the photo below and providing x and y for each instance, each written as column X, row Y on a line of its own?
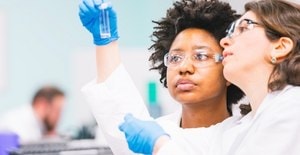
column 256, row 95
column 254, row 84
column 203, row 116
column 256, row 89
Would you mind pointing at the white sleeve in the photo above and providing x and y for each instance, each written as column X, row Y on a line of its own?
column 110, row 101
column 177, row 144
column 277, row 131
column 275, row 137
column 171, row 147
column 182, row 141
column 181, row 146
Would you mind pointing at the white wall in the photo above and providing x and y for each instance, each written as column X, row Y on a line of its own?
column 3, row 63
column 42, row 41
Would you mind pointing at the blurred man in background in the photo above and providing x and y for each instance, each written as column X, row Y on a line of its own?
column 36, row 121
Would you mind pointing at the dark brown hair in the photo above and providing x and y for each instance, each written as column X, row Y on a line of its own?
column 281, row 19
column 212, row 16
column 48, row 93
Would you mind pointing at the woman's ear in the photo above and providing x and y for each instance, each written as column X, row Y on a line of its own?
column 228, row 83
column 281, row 49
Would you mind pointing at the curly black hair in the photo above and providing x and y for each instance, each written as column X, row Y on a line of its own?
column 211, row 15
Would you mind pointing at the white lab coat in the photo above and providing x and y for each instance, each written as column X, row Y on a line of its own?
column 117, row 96
column 273, row 129
column 110, row 101
column 24, row 123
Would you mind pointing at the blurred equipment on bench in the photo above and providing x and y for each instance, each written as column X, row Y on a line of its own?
column 71, row 147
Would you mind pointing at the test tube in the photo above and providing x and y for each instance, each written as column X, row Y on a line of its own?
column 104, row 20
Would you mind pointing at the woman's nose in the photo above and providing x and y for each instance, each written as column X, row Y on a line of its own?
column 224, row 42
column 187, row 66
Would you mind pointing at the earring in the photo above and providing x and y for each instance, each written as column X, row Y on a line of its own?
column 273, row 59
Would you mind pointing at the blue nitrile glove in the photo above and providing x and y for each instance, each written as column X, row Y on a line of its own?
column 89, row 14
column 141, row 135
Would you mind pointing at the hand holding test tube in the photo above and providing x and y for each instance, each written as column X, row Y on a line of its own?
column 104, row 20
column 99, row 18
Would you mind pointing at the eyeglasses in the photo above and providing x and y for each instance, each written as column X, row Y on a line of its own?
column 201, row 58
column 240, row 26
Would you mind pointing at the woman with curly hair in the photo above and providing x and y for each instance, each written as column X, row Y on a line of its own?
column 188, row 57
column 262, row 57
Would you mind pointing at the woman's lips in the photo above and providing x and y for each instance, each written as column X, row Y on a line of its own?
column 185, row 85
column 226, row 54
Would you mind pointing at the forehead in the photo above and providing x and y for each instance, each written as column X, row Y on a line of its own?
column 58, row 101
column 193, row 38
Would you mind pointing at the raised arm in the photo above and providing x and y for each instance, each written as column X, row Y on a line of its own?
column 107, row 60
column 107, row 52
column 112, row 94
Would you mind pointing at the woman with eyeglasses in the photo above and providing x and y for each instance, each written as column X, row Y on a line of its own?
column 262, row 57
column 188, row 57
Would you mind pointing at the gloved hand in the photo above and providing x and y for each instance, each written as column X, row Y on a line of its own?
column 141, row 135
column 90, row 13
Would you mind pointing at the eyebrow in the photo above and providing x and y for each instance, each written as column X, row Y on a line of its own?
column 247, row 19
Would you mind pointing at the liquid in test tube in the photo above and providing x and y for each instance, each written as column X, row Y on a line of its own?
column 104, row 20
